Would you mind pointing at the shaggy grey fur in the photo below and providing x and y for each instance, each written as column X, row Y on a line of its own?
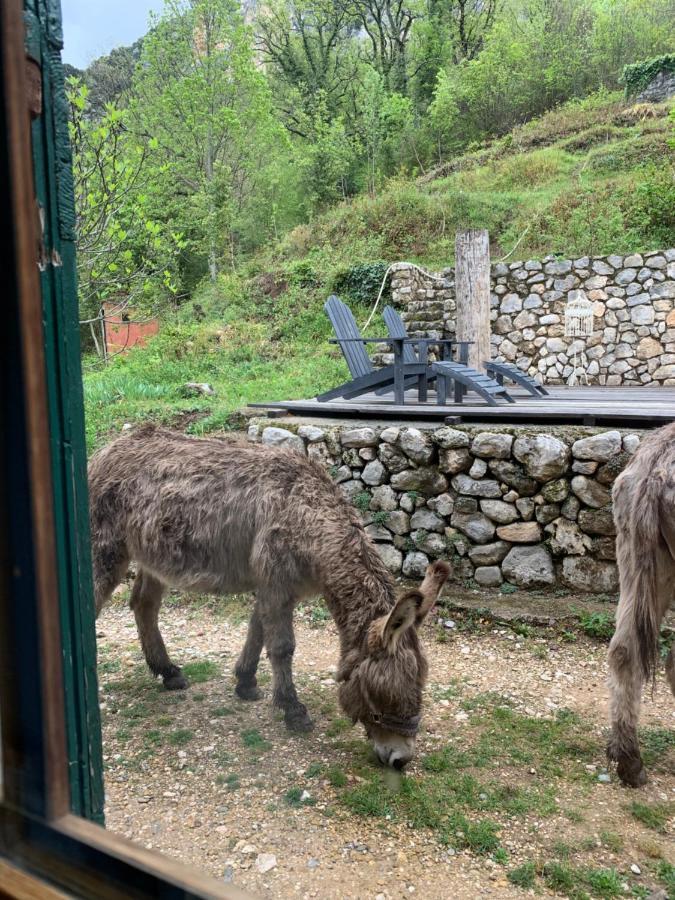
column 644, row 512
column 210, row 515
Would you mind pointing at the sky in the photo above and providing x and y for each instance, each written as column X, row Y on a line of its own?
column 93, row 27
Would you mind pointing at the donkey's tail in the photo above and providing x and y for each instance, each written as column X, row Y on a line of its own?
column 639, row 536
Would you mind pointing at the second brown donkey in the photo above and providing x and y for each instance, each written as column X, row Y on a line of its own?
column 210, row 515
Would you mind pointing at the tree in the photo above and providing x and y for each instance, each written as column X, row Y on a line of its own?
column 203, row 101
column 123, row 254
column 387, row 24
column 307, row 45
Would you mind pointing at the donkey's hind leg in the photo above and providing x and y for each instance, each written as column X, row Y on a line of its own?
column 625, row 685
column 247, row 664
column 146, row 599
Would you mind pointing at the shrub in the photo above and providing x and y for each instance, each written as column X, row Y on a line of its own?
column 361, row 282
column 640, row 75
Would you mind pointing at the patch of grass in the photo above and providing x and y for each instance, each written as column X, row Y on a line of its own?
column 199, row 672
column 314, row 769
column 222, row 711
column 180, row 737
column 231, row 781
column 109, row 666
column 500, row 856
column 570, row 637
column 652, row 816
column 338, row 726
column 559, row 877
column 598, row 625
column 199, row 698
column 573, row 815
column 523, row 876
column 369, row 799
column 507, row 588
column 655, row 743
column 336, row 777
column 252, row 739
column 522, row 629
column 612, row 841
column 293, row 797
column 604, row 883
column 666, row 873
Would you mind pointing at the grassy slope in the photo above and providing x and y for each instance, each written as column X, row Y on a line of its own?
column 592, row 177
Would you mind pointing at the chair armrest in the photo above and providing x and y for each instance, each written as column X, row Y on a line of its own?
column 384, row 340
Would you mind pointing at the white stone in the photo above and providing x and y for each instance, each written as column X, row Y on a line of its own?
column 416, row 445
column 389, row 435
column 642, row 315
column 499, row 511
column 311, row 433
column 265, row 862
column 374, row 473
column 599, row 447
column 281, row 437
column 491, row 445
column 358, row 437
column 415, row 565
column 391, row 557
column 529, row 566
column 544, row 456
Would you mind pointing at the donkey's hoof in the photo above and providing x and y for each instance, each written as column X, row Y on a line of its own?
column 248, row 692
column 632, row 775
column 176, row 681
column 298, row 719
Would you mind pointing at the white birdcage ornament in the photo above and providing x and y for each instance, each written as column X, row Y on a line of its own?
column 578, row 324
column 578, row 315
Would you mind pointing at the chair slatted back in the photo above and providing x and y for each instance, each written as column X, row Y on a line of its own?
column 397, row 329
column 344, row 325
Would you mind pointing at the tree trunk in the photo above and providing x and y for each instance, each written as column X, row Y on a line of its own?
column 213, row 258
column 472, row 293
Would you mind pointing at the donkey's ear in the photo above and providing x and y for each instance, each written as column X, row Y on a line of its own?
column 402, row 616
column 434, row 579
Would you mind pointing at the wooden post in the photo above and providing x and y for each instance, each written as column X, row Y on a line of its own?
column 472, row 293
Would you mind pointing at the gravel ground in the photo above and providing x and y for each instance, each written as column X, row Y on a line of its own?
column 221, row 785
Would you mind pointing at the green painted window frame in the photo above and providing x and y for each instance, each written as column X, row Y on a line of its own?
column 51, row 801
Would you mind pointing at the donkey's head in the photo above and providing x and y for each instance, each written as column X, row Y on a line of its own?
column 381, row 679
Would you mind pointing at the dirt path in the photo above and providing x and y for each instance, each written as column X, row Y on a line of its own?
column 508, row 793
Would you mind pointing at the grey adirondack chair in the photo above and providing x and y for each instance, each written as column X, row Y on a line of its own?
column 501, row 370
column 445, row 370
column 365, row 377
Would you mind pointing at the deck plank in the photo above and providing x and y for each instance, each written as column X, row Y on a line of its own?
column 640, row 405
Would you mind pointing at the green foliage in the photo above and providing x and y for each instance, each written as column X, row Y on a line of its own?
column 361, row 282
column 597, row 625
column 523, row 876
column 638, row 76
column 199, row 672
column 125, row 255
column 652, row 816
column 252, row 739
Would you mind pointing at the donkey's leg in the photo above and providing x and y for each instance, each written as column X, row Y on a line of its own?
column 247, row 664
column 109, row 563
column 146, row 598
column 277, row 618
column 625, row 686
column 670, row 668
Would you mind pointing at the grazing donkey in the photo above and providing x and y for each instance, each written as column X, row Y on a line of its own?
column 644, row 512
column 210, row 515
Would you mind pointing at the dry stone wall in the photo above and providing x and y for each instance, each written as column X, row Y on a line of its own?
column 633, row 340
column 518, row 505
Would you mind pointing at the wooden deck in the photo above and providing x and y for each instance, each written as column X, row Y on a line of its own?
column 640, row 407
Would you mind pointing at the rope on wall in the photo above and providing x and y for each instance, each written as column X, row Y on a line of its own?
column 424, row 272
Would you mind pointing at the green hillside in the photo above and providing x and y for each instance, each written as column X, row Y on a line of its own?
column 591, row 177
